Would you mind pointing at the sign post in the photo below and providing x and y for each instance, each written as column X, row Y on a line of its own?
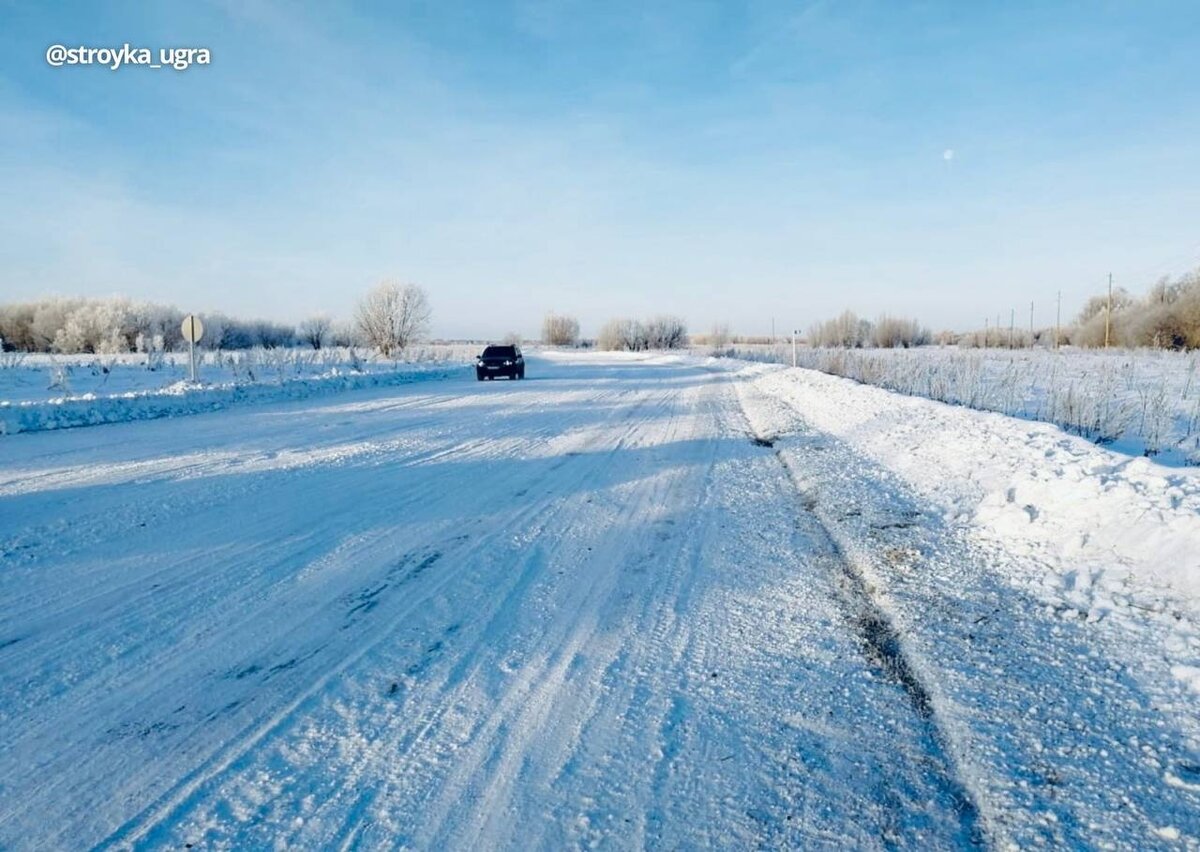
column 192, row 330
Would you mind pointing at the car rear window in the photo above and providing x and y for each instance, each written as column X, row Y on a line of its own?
column 500, row 352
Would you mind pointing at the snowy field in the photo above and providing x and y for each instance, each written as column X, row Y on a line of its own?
column 632, row 601
column 1136, row 402
column 40, row 377
column 40, row 392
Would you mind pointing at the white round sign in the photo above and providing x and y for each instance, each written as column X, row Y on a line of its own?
column 192, row 328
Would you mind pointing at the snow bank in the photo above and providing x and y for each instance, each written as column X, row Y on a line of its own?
column 183, row 398
column 1136, row 402
column 42, row 377
column 1095, row 517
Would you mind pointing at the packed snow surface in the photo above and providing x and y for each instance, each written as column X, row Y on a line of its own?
column 629, row 601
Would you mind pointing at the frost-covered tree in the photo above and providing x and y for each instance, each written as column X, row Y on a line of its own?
column 665, row 332
column 895, row 332
column 719, row 337
column 393, row 316
column 344, row 334
column 661, row 332
column 1167, row 317
column 117, row 324
column 94, row 326
column 272, row 335
column 16, row 323
column 621, row 335
column 558, row 330
column 152, row 322
column 846, row 331
column 49, row 318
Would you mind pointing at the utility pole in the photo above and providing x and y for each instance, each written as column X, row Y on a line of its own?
column 1031, row 324
column 795, row 331
column 1058, row 320
column 986, row 334
column 1108, row 312
column 1012, row 324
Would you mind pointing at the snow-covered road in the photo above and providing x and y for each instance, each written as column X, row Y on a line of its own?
column 626, row 602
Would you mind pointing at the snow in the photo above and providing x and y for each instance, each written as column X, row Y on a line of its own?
column 1094, row 517
column 634, row 600
column 1134, row 401
column 43, row 377
column 42, row 392
column 1189, row 675
column 1066, row 727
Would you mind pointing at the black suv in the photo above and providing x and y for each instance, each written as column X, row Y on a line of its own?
column 500, row 361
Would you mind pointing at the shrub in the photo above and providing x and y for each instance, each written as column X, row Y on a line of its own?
column 560, row 330
column 660, row 332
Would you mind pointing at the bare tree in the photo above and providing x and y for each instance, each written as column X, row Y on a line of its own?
column 272, row 335
column 665, row 332
column 15, row 326
column 847, row 331
column 616, row 335
column 560, row 330
column 315, row 330
column 718, row 338
column 661, row 332
column 393, row 316
column 896, row 332
column 513, row 338
column 345, row 334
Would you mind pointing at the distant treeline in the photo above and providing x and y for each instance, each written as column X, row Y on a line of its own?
column 117, row 324
column 851, row 332
column 391, row 316
column 1167, row 317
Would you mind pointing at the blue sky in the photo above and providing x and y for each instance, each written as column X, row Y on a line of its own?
column 733, row 162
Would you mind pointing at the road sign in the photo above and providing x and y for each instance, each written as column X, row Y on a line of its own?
column 192, row 328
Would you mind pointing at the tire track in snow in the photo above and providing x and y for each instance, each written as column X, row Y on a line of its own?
column 494, row 736
column 171, row 590
column 885, row 648
column 146, row 826
column 545, row 728
column 569, row 710
column 1069, row 727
